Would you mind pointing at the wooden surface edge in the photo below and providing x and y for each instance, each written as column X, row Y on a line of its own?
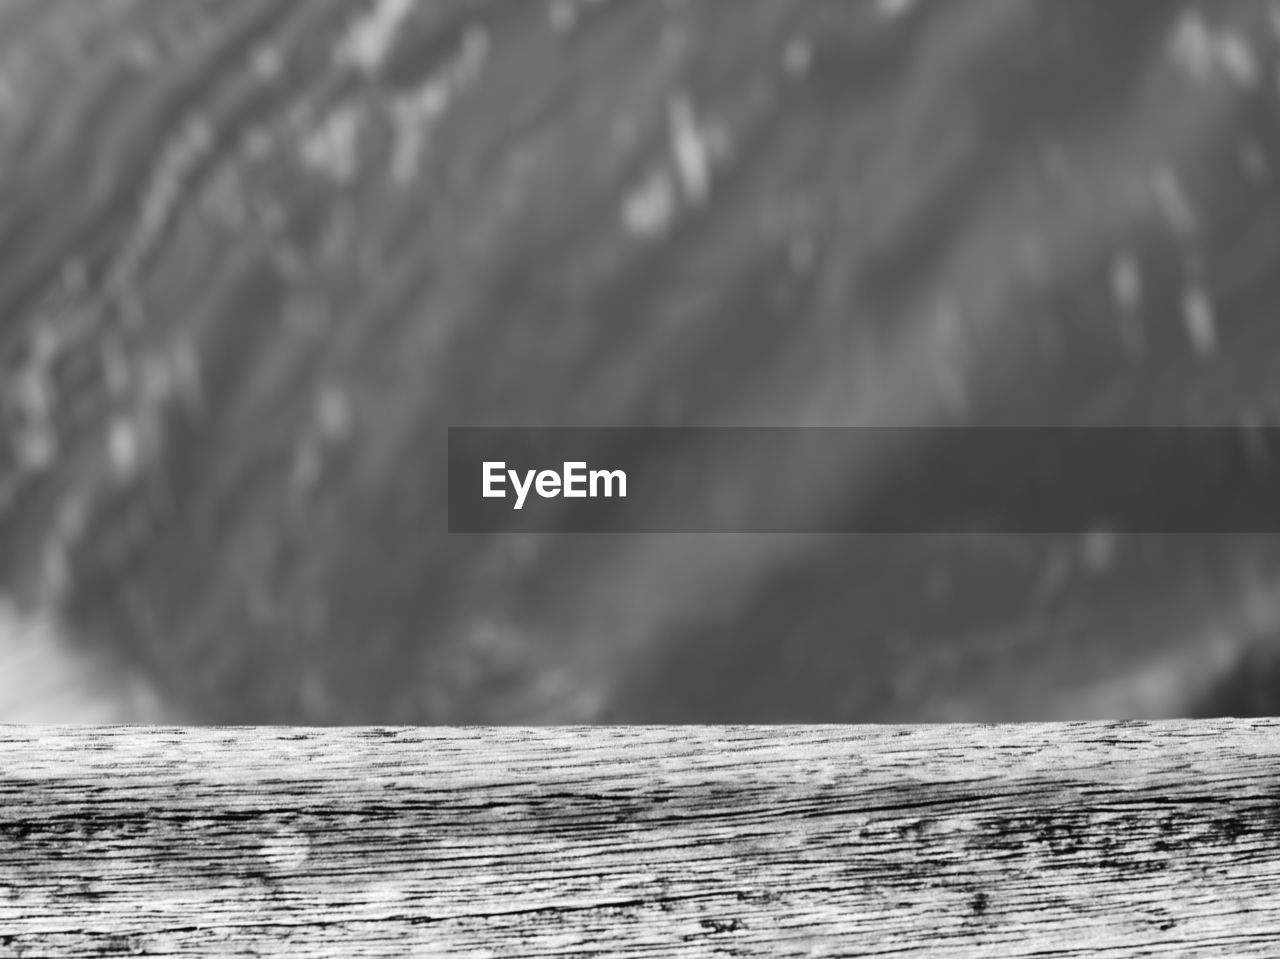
column 1137, row 838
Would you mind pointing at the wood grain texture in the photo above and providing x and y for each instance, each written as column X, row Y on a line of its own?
column 1091, row 839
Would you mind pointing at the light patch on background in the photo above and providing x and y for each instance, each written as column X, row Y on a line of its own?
column 44, row 680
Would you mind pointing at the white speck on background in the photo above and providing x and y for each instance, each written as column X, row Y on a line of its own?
column 124, row 448
column 475, row 51
column 1207, row 54
column 368, row 42
column 1098, row 550
column 562, row 15
column 648, row 210
column 797, row 56
column 331, row 148
column 1200, row 322
column 690, row 150
column 333, row 414
column 412, row 117
column 894, row 8
column 268, row 63
column 1126, row 282
column 1239, row 62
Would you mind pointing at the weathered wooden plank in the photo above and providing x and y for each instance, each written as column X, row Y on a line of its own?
column 1123, row 839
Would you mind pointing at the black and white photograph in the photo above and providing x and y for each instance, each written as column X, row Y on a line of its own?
column 639, row 477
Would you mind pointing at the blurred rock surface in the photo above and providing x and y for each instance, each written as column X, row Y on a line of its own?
column 256, row 255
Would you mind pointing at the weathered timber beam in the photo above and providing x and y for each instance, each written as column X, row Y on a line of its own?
column 1115, row 839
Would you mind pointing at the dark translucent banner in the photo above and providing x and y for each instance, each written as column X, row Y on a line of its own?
column 885, row 480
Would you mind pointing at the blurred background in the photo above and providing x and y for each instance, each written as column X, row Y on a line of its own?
column 256, row 256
